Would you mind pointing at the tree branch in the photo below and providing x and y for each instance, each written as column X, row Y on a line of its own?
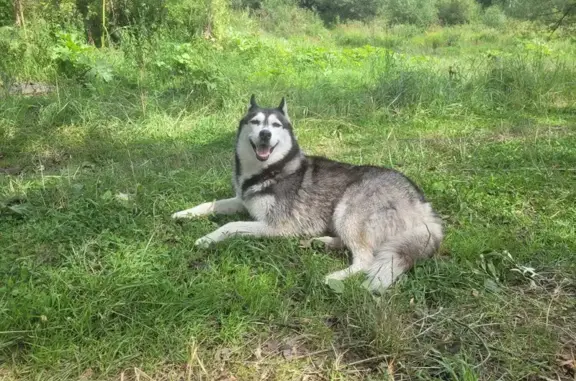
column 568, row 10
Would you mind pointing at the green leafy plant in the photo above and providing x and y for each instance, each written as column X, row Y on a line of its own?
column 418, row 12
column 192, row 63
column 342, row 10
column 453, row 12
column 76, row 60
column 494, row 17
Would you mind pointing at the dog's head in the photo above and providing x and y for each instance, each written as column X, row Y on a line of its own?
column 265, row 133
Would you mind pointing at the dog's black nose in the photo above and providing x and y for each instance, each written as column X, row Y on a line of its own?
column 265, row 135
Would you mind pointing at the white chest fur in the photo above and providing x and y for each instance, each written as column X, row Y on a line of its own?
column 260, row 206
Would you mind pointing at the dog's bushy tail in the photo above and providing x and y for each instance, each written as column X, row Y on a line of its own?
column 398, row 254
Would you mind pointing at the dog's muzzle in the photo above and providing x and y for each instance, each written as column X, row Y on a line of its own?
column 263, row 150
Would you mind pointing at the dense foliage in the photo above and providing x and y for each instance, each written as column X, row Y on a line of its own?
column 108, row 19
column 453, row 12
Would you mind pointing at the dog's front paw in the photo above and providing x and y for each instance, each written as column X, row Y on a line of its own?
column 199, row 210
column 182, row 214
column 204, row 242
column 337, row 275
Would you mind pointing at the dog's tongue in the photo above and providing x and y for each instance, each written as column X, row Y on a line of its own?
column 263, row 151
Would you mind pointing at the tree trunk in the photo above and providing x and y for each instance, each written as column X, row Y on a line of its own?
column 18, row 13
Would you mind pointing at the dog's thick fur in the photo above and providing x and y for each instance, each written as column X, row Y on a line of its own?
column 377, row 213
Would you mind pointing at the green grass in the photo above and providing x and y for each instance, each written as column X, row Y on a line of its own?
column 97, row 282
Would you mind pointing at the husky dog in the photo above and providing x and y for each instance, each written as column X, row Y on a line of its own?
column 377, row 213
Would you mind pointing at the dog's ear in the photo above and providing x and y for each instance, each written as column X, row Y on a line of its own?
column 253, row 103
column 283, row 107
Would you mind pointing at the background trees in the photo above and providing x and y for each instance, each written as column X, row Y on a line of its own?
column 104, row 20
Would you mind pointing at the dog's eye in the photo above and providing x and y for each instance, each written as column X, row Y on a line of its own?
column 276, row 124
column 255, row 122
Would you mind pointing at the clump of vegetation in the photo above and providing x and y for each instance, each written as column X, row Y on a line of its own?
column 494, row 17
column 343, row 10
column 454, row 12
column 417, row 12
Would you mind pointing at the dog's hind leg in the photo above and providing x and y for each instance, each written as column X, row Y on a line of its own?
column 386, row 269
column 330, row 243
column 398, row 254
column 232, row 229
column 333, row 243
column 361, row 261
column 226, row 206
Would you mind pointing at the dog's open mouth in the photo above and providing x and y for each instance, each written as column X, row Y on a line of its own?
column 263, row 150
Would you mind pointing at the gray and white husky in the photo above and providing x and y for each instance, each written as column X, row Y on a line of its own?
column 377, row 213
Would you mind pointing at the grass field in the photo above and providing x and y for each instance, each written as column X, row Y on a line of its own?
column 98, row 283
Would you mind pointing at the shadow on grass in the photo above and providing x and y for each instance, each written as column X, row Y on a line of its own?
column 77, row 126
column 68, row 183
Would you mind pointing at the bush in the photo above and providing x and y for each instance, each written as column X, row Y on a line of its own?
column 417, row 12
column 6, row 13
column 186, row 18
column 74, row 59
column 342, row 10
column 453, row 12
column 547, row 11
column 195, row 66
column 494, row 17
column 523, row 9
column 289, row 20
